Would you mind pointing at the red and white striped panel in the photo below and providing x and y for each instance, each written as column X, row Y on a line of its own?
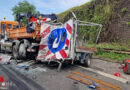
column 44, row 52
column 62, row 54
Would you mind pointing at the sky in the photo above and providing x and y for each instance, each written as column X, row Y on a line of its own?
column 44, row 6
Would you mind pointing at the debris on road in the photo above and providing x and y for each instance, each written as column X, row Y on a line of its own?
column 117, row 74
column 94, row 86
column 123, row 80
column 97, row 80
column 24, row 66
column 29, row 68
column 86, row 82
column 5, row 59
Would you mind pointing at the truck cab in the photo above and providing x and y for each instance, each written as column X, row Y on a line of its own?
column 6, row 27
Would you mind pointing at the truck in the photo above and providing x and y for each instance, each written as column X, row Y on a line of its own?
column 46, row 40
column 15, row 37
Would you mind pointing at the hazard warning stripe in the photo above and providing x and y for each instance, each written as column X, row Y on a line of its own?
column 58, row 55
column 67, row 42
column 63, row 53
column 48, row 52
column 42, row 47
column 49, row 56
column 43, row 56
column 69, row 28
column 53, row 57
column 46, row 32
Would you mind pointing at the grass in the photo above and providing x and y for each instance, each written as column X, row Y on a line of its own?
column 110, row 55
column 115, row 46
column 115, row 56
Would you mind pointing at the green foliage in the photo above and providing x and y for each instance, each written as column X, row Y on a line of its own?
column 100, row 51
column 112, row 55
column 24, row 7
column 124, row 10
column 98, row 13
column 114, row 45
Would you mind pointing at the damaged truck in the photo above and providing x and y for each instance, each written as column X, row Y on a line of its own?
column 44, row 39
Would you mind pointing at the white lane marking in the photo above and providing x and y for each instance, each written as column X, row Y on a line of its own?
column 106, row 74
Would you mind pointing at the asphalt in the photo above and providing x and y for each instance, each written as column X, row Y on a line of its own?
column 20, row 82
column 43, row 77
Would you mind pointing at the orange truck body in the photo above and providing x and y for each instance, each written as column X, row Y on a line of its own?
column 18, row 33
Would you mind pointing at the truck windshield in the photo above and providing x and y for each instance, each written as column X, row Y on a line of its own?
column 9, row 26
column 14, row 26
column 3, row 28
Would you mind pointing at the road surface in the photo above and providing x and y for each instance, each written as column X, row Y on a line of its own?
column 41, row 77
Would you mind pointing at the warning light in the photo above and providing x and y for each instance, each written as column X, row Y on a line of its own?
column 4, row 18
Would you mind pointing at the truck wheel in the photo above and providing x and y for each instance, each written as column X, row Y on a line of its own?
column 22, row 51
column 15, row 50
column 87, row 60
column 15, row 53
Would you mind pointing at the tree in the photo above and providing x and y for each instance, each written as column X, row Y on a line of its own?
column 24, row 7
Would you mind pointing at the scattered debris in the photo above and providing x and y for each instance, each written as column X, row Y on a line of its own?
column 5, row 59
column 24, row 66
column 94, row 86
column 98, row 81
column 29, row 68
column 85, row 82
column 117, row 74
column 123, row 80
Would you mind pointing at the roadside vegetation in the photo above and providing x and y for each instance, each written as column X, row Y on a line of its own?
column 24, row 7
column 110, row 55
column 97, row 11
column 113, row 56
column 103, row 12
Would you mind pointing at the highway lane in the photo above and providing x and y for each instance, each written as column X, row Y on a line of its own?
column 19, row 81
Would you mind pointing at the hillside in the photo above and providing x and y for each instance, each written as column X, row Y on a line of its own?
column 113, row 14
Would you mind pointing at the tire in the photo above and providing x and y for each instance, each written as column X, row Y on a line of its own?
column 22, row 51
column 15, row 53
column 23, row 54
column 87, row 60
column 15, row 50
